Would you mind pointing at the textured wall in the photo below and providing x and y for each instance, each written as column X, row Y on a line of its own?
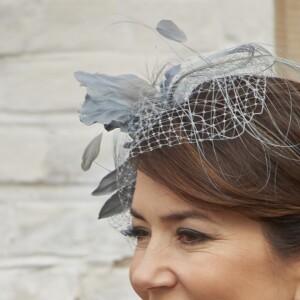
column 52, row 246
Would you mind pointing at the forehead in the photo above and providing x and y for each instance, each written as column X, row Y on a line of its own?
column 145, row 184
column 154, row 201
column 147, row 189
column 152, row 198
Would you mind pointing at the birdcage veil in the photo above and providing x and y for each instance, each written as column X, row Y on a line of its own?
column 191, row 100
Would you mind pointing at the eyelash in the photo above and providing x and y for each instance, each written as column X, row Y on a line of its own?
column 186, row 236
column 137, row 233
column 191, row 237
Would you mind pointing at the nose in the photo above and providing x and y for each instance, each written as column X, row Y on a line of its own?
column 151, row 268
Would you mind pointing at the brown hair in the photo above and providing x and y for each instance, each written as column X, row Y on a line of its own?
column 258, row 177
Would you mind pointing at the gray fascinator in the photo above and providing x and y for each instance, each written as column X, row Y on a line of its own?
column 228, row 89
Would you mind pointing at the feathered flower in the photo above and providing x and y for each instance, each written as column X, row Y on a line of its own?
column 110, row 99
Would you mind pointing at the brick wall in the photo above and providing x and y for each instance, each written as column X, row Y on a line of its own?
column 52, row 246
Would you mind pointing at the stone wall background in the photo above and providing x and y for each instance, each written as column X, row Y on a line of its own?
column 51, row 244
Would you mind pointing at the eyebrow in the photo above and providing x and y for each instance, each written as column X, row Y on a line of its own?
column 176, row 216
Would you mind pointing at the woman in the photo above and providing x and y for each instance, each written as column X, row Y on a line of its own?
column 209, row 173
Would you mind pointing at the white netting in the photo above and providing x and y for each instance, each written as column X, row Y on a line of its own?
column 216, row 110
column 200, row 100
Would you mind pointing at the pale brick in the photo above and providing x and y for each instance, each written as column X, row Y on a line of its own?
column 46, row 193
column 69, row 281
column 61, row 25
column 60, row 283
column 20, row 21
column 99, row 285
column 66, row 146
column 23, row 153
column 38, row 26
column 9, row 229
column 51, row 153
column 61, row 229
column 45, row 83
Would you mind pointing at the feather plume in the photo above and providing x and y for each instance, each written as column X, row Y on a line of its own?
column 111, row 207
column 169, row 76
column 171, row 31
column 91, row 152
column 107, row 185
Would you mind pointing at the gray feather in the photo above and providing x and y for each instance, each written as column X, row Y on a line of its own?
column 169, row 76
column 107, row 185
column 111, row 207
column 91, row 152
column 111, row 98
column 171, row 31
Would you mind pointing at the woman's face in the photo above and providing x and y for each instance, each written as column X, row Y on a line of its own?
column 185, row 253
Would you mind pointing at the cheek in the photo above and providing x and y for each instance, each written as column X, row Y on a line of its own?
column 235, row 274
column 208, row 275
column 225, row 274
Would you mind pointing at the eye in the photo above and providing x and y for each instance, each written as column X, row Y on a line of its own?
column 191, row 237
column 139, row 235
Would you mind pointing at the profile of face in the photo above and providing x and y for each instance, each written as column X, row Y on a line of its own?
column 185, row 253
